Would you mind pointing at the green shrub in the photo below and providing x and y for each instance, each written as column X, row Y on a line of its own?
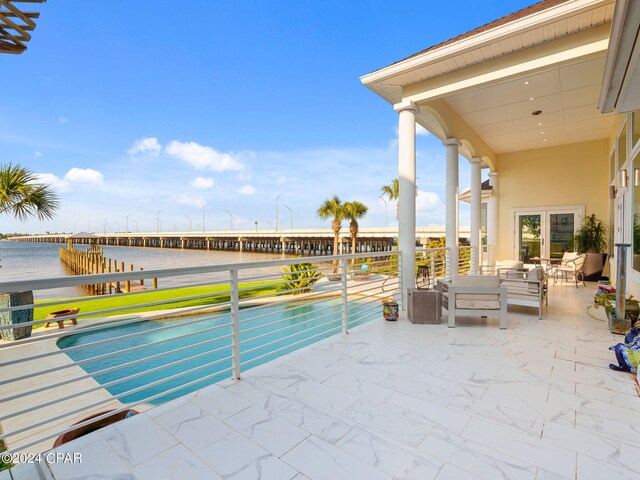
column 3, row 464
column 299, row 277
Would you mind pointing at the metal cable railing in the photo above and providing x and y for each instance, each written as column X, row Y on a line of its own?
column 137, row 349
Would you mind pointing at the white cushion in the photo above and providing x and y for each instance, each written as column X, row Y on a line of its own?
column 475, row 304
column 519, row 289
column 487, row 281
column 511, row 264
column 536, row 274
column 568, row 256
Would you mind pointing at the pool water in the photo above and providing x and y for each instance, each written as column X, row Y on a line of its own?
column 301, row 318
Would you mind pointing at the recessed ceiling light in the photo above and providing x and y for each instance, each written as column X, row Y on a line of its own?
column 541, row 133
column 545, row 140
column 530, row 98
column 539, row 124
column 526, row 83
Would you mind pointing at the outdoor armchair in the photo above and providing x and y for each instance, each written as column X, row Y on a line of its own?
column 570, row 266
column 474, row 295
column 526, row 288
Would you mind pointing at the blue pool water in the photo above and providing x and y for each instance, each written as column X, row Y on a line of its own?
column 301, row 318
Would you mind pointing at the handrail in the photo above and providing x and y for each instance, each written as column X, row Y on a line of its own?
column 211, row 341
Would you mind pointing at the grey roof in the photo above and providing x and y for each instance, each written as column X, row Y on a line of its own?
column 82, row 235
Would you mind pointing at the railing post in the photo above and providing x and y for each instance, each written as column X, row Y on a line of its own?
column 432, row 276
column 447, row 264
column 403, row 294
column 235, row 324
column 345, row 302
column 474, row 266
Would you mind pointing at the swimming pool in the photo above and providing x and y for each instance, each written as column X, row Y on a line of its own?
column 300, row 317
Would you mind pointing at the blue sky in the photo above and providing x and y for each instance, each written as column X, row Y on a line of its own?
column 127, row 108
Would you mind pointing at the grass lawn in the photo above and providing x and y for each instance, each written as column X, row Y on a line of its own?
column 217, row 292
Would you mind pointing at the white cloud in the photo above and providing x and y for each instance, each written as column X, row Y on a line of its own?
column 52, row 180
column 244, row 177
column 281, row 179
column 190, row 200
column 202, row 183
column 202, row 157
column 247, row 190
column 87, row 176
column 145, row 146
column 428, row 202
column 37, row 154
column 63, row 119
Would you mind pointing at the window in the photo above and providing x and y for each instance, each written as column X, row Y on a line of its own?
column 622, row 146
column 635, row 122
column 612, row 167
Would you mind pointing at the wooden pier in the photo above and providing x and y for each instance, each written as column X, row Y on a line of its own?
column 92, row 261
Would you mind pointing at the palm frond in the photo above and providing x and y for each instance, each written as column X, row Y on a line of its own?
column 21, row 197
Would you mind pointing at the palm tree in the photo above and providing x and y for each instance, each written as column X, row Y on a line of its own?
column 354, row 211
column 392, row 192
column 21, row 197
column 333, row 208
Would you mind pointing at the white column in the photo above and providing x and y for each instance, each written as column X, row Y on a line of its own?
column 492, row 217
column 476, row 213
column 451, row 203
column 407, row 111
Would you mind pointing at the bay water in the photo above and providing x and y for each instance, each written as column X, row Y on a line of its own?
column 34, row 260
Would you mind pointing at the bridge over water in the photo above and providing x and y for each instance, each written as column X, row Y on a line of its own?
column 290, row 241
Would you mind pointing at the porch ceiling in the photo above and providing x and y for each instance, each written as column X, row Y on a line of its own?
column 566, row 95
column 484, row 86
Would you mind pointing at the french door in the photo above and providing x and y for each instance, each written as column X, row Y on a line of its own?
column 544, row 232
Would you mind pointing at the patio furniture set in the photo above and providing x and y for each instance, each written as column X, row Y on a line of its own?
column 512, row 284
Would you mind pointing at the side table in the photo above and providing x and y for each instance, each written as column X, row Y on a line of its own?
column 424, row 306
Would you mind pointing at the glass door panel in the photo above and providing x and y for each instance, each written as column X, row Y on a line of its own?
column 561, row 228
column 529, row 233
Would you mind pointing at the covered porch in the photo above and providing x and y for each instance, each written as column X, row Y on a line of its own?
column 517, row 99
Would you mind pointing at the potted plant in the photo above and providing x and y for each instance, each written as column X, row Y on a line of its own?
column 591, row 239
column 390, row 309
column 617, row 325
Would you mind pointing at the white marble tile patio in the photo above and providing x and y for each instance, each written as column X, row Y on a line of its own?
column 401, row 401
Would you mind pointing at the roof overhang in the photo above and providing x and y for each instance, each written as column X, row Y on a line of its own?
column 473, row 87
column 16, row 25
column 621, row 83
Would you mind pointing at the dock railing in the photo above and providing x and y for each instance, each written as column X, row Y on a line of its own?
column 205, row 324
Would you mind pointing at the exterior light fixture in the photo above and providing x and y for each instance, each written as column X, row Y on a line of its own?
column 636, row 177
column 623, row 178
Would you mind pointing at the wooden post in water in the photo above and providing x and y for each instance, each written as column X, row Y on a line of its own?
column 127, row 285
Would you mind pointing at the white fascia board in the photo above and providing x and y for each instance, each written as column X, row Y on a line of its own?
column 476, row 41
